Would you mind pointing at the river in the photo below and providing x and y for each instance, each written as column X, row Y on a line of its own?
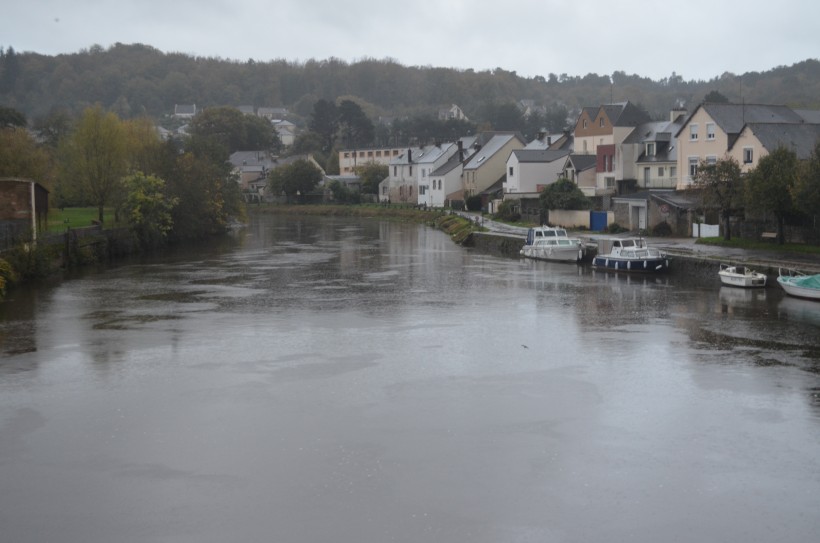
column 330, row 379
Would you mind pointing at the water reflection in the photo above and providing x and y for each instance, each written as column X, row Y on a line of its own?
column 333, row 379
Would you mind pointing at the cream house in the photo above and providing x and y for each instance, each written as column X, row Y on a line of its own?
column 488, row 163
column 712, row 132
column 757, row 140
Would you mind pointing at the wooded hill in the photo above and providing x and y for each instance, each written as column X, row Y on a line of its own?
column 134, row 80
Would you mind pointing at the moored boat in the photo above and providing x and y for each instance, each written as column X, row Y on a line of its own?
column 550, row 243
column 741, row 276
column 799, row 284
column 629, row 255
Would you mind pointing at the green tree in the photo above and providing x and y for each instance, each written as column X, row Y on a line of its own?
column 295, row 179
column 355, row 127
column 94, row 157
column 563, row 194
column 769, row 186
column 324, row 121
column 234, row 130
column 722, row 187
column 10, row 117
column 148, row 209
column 714, row 97
column 371, row 175
column 20, row 156
column 807, row 188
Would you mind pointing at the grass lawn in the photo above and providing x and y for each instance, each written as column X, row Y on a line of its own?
column 76, row 217
column 761, row 245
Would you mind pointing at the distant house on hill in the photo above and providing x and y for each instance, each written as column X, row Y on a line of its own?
column 184, row 111
column 453, row 112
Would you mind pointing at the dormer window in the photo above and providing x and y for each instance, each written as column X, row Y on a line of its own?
column 650, row 149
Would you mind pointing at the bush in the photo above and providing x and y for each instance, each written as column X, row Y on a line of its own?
column 615, row 228
column 507, row 212
column 662, row 230
column 473, row 203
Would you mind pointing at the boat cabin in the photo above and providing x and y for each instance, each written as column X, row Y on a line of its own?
column 545, row 232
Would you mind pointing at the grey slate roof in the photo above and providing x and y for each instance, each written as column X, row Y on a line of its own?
column 800, row 138
column 582, row 162
column 732, row 117
column 625, row 114
column 539, row 155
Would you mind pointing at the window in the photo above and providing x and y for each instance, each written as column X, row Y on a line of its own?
column 411, row 170
column 748, row 155
column 601, row 122
column 693, row 166
column 610, row 182
column 361, row 154
column 585, row 123
column 710, row 131
column 673, row 171
column 378, row 153
column 370, row 153
column 423, row 173
column 646, row 177
column 711, row 160
column 511, row 171
column 660, row 171
column 422, row 189
column 395, row 171
column 347, row 155
column 650, row 149
column 693, row 132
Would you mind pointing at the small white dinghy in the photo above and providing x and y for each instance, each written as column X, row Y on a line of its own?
column 741, row 276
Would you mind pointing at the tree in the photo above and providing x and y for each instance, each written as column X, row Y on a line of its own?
column 722, row 187
column 807, row 188
column 234, row 130
column 356, row 128
column 20, row 156
column 94, row 157
column 371, row 175
column 563, row 194
column 295, row 179
column 324, row 121
column 148, row 209
column 10, row 117
column 714, row 97
column 770, row 185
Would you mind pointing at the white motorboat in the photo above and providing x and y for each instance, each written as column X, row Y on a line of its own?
column 629, row 255
column 799, row 284
column 550, row 243
column 741, row 276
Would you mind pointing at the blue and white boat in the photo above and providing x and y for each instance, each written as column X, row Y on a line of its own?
column 629, row 255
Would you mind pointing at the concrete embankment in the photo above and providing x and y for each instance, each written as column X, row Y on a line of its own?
column 687, row 257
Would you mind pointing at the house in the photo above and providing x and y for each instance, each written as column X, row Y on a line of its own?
column 23, row 210
column 650, row 155
column 453, row 112
column 581, row 170
column 445, row 181
column 530, row 170
column 600, row 131
column 408, row 173
column 251, row 169
column 645, row 209
column 272, row 113
column 712, row 131
column 184, row 111
column 247, row 110
column 488, row 163
column 286, row 131
column 349, row 159
column 757, row 140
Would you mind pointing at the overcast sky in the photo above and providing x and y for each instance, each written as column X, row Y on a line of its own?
column 696, row 39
